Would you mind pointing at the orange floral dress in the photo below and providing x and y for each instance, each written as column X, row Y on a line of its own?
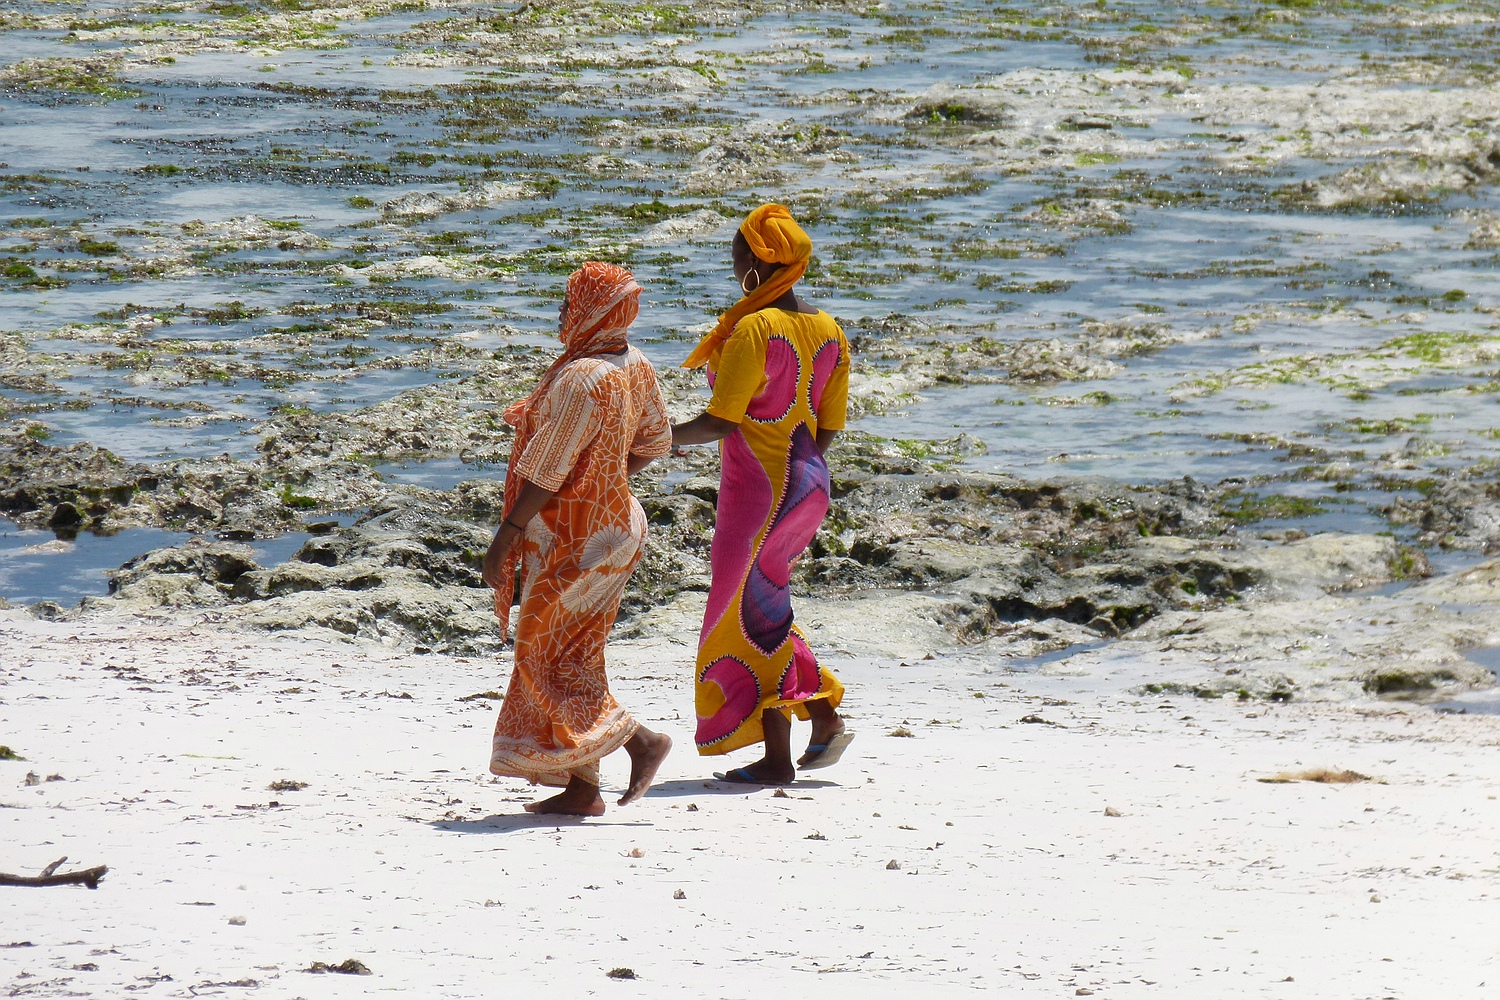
column 558, row 718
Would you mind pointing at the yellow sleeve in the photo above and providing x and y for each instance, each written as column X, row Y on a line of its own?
column 741, row 373
column 833, row 408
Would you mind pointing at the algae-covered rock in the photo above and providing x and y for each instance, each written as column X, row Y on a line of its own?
column 83, row 487
column 428, row 204
column 898, row 356
column 406, row 545
column 699, row 224
column 405, row 613
column 408, row 576
column 1118, row 590
column 1409, row 644
column 1456, row 514
column 77, row 485
column 943, row 102
column 197, row 573
column 1486, row 232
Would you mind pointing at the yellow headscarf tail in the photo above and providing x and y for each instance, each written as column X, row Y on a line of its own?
column 775, row 238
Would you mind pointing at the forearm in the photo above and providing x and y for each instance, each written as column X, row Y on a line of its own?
column 508, row 535
column 528, row 504
column 702, row 429
column 635, row 463
column 825, row 440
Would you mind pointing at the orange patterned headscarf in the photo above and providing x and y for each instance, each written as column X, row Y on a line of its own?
column 603, row 300
column 775, row 238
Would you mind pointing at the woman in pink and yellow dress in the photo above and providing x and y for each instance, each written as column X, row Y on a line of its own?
column 779, row 370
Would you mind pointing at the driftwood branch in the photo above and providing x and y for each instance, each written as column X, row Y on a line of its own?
column 88, row 876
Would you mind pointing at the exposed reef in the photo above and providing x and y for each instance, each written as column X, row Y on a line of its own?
column 1164, row 316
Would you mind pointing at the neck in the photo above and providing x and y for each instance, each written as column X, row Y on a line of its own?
column 788, row 302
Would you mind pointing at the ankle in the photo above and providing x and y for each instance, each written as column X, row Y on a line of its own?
column 644, row 741
column 778, row 762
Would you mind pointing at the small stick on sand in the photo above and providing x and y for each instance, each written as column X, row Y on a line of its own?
column 89, row 876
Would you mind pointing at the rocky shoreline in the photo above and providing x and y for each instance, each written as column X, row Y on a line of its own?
column 1197, row 576
column 1222, row 241
column 986, row 564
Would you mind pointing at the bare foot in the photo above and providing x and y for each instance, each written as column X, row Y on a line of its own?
column 647, row 750
column 579, row 799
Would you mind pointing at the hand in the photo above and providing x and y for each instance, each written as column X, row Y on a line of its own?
column 494, row 559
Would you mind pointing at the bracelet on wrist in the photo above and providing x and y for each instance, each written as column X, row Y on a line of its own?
column 518, row 527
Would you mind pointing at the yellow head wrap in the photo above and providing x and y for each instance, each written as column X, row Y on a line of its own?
column 776, row 239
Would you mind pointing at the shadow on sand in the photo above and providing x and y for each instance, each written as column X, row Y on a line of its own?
column 520, row 822
column 679, row 787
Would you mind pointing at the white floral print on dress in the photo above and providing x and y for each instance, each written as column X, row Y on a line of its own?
column 612, row 546
column 594, row 591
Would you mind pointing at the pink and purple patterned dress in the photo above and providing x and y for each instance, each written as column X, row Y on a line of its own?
column 782, row 376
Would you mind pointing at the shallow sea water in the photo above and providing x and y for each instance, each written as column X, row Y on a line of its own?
column 290, row 134
column 38, row 566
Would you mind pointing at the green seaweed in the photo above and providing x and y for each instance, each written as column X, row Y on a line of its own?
column 1249, row 508
column 294, row 500
column 97, row 77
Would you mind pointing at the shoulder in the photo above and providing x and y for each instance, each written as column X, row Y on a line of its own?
column 746, row 343
column 636, row 370
column 756, row 325
column 636, row 360
column 813, row 331
column 822, row 321
column 827, row 328
column 583, row 377
column 843, row 338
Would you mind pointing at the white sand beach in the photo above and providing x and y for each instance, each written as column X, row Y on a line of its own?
column 981, row 854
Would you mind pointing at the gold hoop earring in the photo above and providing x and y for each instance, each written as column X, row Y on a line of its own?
column 743, row 288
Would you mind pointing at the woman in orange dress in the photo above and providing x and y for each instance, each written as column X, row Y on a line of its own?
column 780, row 375
column 575, row 531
